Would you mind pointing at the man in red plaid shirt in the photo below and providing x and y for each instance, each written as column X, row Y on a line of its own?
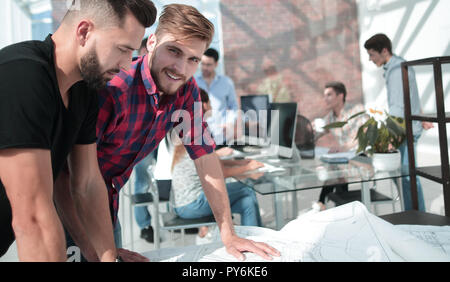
column 140, row 106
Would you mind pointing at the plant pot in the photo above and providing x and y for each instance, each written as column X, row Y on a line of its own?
column 386, row 161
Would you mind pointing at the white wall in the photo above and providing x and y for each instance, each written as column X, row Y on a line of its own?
column 16, row 26
column 418, row 29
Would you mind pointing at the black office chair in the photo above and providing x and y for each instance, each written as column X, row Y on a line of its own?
column 304, row 137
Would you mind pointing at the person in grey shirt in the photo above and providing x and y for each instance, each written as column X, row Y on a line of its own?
column 379, row 48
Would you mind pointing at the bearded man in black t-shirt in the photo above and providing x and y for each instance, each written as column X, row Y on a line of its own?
column 48, row 117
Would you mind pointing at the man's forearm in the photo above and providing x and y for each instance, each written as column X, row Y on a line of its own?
column 69, row 216
column 230, row 171
column 94, row 213
column 27, row 177
column 210, row 172
column 40, row 238
column 37, row 228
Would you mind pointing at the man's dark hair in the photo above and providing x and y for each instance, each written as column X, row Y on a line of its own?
column 204, row 96
column 105, row 11
column 143, row 48
column 378, row 42
column 212, row 53
column 144, row 10
column 338, row 87
column 144, row 43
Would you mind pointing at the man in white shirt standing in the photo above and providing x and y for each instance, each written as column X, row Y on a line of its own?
column 379, row 48
column 222, row 96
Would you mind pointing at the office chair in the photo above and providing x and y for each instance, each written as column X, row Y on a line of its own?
column 171, row 222
column 304, row 137
column 159, row 193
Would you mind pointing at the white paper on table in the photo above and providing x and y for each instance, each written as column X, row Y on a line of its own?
column 407, row 246
column 436, row 236
column 381, row 240
column 215, row 252
column 345, row 233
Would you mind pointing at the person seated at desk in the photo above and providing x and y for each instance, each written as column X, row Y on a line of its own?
column 189, row 198
column 335, row 95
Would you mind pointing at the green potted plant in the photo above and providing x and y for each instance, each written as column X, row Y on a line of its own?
column 379, row 137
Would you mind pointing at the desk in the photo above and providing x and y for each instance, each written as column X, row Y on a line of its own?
column 304, row 174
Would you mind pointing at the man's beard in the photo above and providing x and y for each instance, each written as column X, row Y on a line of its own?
column 157, row 73
column 166, row 90
column 91, row 71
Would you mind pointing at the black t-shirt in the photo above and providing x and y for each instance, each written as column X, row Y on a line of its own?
column 32, row 112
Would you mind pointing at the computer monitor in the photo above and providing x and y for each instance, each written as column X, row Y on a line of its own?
column 282, row 128
column 255, row 118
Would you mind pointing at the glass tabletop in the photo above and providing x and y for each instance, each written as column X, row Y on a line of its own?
column 314, row 173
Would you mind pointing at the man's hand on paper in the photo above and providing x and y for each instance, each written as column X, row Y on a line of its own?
column 236, row 246
column 129, row 256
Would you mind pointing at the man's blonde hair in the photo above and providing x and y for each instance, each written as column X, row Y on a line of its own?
column 185, row 22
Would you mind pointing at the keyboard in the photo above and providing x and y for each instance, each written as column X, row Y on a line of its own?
column 262, row 155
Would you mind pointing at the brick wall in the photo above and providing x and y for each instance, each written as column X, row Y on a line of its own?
column 302, row 43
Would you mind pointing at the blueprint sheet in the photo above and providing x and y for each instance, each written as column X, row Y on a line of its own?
column 344, row 233
column 436, row 236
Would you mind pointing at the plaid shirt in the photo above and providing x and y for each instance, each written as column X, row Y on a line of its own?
column 133, row 119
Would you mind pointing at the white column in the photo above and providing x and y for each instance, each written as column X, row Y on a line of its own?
column 16, row 25
column 5, row 22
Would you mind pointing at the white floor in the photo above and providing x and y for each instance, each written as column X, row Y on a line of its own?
column 432, row 192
